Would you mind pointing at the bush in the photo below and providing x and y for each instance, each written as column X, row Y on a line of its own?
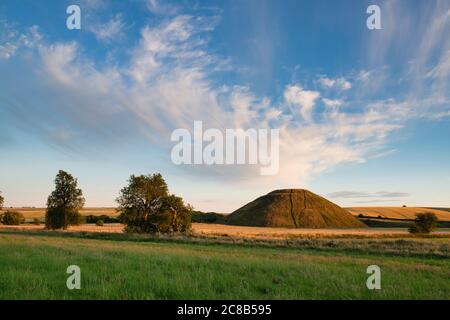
column 106, row 219
column 36, row 221
column 424, row 223
column 12, row 218
column 99, row 223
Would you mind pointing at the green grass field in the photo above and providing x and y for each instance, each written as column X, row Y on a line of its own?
column 34, row 267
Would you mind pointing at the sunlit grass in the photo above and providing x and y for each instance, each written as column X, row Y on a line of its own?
column 34, row 267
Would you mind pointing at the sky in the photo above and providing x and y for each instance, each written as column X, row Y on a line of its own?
column 363, row 114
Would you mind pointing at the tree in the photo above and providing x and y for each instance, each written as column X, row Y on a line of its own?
column 64, row 202
column 424, row 223
column 176, row 213
column 146, row 206
column 1, row 200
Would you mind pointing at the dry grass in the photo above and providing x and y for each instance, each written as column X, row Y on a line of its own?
column 397, row 212
column 284, row 233
column 31, row 213
column 220, row 230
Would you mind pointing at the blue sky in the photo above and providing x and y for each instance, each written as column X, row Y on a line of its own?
column 363, row 114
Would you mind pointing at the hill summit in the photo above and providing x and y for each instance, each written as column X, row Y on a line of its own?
column 293, row 208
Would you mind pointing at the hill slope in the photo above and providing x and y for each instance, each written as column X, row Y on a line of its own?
column 293, row 208
column 398, row 212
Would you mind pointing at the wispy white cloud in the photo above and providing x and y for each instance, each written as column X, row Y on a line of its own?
column 363, row 194
column 162, row 7
column 7, row 50
column 332, row 103
column 338, row 83
column 377, row 201
column 411, row 54
column 110, row 31
column 442, row 69
column 12, row 40
column 302, row 99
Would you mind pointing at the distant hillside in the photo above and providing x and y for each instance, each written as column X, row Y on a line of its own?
column 293, row 208
column 208, row 217
column 441, row 209
column 408, row 213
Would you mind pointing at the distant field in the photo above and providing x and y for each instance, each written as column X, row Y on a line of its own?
column 34, row 267
column 31, row 213
column 443, row 209
column 443, row 214
column 398, row 212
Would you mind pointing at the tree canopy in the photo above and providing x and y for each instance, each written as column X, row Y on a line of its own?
column 424, row 223
column 64, row 202
column 146, row 206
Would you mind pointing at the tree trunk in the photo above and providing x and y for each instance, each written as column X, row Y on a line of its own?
column 174, row 220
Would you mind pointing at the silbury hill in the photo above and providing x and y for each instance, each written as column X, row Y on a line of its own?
column 293, row 208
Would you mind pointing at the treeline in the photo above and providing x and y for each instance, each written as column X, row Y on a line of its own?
column 145, row 206
column 208, row 217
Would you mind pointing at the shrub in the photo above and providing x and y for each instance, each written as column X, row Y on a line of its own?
column 424, row 223
column 99, row 223
column 106, row 219
column 36, row 221
column 12, row 218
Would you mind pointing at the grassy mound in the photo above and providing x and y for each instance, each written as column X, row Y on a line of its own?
column 293, row 208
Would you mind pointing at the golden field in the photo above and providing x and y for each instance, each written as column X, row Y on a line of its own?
column 385, row 212
column 31, row 213
column 397, row 212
